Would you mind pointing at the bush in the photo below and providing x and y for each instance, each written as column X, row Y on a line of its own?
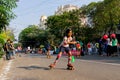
column 1, row 53
column 1, row 47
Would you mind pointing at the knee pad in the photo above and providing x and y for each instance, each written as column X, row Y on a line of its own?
column 58, row 56
column 69, row 54
column 70, row 58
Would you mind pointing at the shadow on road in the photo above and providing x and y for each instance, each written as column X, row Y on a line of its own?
column 34, row 67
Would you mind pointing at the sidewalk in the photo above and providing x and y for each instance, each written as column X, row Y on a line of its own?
column 2, row 64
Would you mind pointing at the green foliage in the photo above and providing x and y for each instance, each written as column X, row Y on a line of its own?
column 6, row 14
column 1, row 46
column 57, row 24
column 2, row 41
column 104, row 15
column 1, row 53
column 32, row 36
column 4, row 35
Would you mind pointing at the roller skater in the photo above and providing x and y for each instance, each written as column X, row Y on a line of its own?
column 64, row 47
column 70, row 67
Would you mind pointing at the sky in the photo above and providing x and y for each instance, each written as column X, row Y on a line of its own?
column 28, row 12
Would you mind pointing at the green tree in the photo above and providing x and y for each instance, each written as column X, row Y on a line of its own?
column 32, row 36
column 57, row 24
column 8, row 33
column 6, row 14
column 104, row 15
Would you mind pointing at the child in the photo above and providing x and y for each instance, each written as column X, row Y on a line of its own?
column 47, row 47
column 64, row 46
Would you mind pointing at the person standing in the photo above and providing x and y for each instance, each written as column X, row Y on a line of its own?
column 114, row 45
column 7, row 50
column 19, row 50
column 89, row 48
column 64, row 47
column 47, row 47
column 109, row 46
column 12, row 50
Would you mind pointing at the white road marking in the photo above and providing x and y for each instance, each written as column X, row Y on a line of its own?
column 114, row 64
column 3, row 75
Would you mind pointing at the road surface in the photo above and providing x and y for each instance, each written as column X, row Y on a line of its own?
column 35, row 67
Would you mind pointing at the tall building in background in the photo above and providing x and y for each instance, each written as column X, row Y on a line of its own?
column 65, row 8
column 43, row 22
column 69, row 7
column 59, row 11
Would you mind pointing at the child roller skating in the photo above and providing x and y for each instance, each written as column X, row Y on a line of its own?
column 64, row 47
column 52, row 65
column 70, row 67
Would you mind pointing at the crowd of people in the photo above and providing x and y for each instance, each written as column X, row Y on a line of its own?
column 106, row 46
column 10, row 51
column 109, row 45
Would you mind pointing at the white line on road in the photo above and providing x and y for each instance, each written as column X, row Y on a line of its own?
column 114, row 64
column 5, row 71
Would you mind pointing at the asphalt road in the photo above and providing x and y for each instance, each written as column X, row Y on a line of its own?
column 35, row 67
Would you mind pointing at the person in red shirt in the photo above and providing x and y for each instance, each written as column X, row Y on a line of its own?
column 89, row 48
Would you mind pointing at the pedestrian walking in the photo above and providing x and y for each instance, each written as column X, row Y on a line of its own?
column 64, row 47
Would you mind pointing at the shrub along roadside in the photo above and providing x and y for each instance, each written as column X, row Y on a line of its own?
column 1, row 47
column 1, row 53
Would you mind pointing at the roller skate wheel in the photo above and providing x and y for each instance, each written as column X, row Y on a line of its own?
column 70, row 68
column 51, row 66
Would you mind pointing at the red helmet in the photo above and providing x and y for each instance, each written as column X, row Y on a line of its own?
column 113, row 35
column 105, row 36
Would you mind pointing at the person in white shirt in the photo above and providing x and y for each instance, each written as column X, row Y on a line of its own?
column 64, row 47
column 109, row 47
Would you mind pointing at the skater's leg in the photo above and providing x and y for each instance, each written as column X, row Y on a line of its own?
column 69, row 57
column 69, row 65
column 58, row 56
column 53, row 64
